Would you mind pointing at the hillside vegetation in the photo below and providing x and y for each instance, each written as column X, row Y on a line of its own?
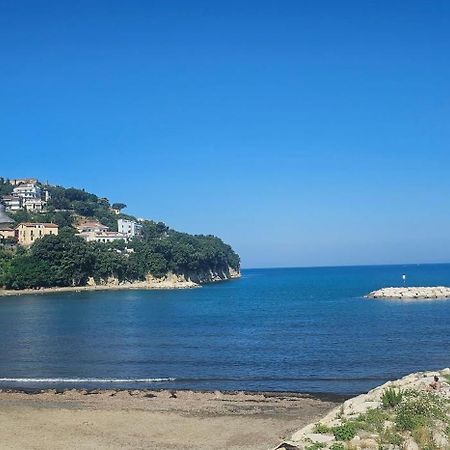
column 68, row 260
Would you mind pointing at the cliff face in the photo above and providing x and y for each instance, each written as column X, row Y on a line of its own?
column 195, row 279
column 172, row 280
column 212, row 276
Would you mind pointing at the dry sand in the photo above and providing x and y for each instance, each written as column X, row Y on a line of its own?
column 153, row 419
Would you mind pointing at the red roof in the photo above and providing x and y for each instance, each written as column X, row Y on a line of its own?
column 32, row 224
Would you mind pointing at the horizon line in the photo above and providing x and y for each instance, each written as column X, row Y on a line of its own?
column 346, row 265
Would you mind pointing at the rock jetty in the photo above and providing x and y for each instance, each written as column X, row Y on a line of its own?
column 411, row 293
column 405, row 414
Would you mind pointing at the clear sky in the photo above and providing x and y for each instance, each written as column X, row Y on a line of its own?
column 301, row 132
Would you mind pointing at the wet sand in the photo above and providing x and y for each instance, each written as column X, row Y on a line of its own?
column 154, row 419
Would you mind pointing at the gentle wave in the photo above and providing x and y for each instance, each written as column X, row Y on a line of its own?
column 85, row 380
column 184, row 380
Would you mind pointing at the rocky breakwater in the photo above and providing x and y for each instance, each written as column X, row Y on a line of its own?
column 440, row 292
column 406, row 414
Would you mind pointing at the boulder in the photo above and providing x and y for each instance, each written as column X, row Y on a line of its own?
column 410, row 444
column 440, row 439
column 321, row 438
column 367, row 444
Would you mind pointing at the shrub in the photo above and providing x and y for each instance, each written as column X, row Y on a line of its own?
column 345, row 432
column 316, row 446
column 321, row 428
column 389, row 436
column 391, row 397
column 340, row 413
column 422, row 435
column 417, row 408
column 337, row 446
column 372, row 420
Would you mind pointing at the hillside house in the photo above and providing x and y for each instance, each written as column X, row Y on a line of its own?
column 12, row 203
column 34, row 205
column 6, row 230
column 129, row 227
column 27, row 191
column 27, row 233
column 104, row 237
column 92, row 227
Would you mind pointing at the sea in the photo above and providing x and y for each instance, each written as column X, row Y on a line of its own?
column 307, row 330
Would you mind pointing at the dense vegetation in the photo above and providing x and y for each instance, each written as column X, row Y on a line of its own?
column 67, row 260
column 66, row 206
column 5, row 187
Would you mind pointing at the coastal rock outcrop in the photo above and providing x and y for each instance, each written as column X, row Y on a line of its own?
column 407, row 413
column 168, row 281
column 171, row 280
column 440, row 292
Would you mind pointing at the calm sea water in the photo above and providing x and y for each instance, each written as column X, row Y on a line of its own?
column 307, row 330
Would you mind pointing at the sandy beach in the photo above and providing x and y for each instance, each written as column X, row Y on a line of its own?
column 160, row 420
column 107, row 287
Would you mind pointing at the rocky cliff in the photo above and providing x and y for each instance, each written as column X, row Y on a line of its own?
column 171, row 280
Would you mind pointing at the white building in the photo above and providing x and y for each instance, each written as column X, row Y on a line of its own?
column 12, row 203
column 92, row 227
column 34, row 205
column 103, row 237
column 27, row 191
column 129, row 227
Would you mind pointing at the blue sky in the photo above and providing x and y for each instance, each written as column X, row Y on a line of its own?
column 301, row 132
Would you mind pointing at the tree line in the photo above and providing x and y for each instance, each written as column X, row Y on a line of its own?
column 68, row 260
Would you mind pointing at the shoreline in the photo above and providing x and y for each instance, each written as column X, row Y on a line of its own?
column 170, row 281
column 120, row 287
column 154, row 420
column 320, row 396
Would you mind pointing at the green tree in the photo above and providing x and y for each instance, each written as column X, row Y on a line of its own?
column 118, row 206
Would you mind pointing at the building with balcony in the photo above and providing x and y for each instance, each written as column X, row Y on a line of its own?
column 12, row 203
column 35, row 205
column 27, row 191
column 129, row 228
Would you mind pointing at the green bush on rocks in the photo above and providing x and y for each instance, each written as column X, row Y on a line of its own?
column 391, row 397
column 345, row 432
column 417, row 408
